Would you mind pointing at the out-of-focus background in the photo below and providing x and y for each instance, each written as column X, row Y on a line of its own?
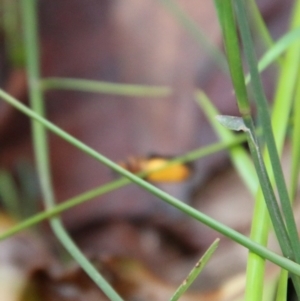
column 134, row 42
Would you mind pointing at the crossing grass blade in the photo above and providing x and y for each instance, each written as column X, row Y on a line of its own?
column 199, row 266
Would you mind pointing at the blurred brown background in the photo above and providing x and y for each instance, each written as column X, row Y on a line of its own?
column 137, row 42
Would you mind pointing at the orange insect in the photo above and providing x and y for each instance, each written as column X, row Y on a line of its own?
column 153, row 165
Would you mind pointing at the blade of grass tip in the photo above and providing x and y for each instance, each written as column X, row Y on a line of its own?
column 94, row 86
column 41, row 146
column 193, row 29
column 238, row 155
column 199, row 216
column 195, row 271
column 277, row 50
column 263, row 113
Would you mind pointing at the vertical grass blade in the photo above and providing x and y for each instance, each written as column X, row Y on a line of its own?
column 259, row 226
column 259, row 24
column 41, row 145
column 295, row 163
column 263, row 113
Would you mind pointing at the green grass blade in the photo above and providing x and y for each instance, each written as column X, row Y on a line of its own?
column 260, row 224
column 263, row 113
column 231, row 42
column 277, row 50
column 281, row 293
column 270, row 141
column 56, row 83
column 235, row 65
column 259, row 24
column 41, row 146
column 295, row 163
column 237, row 123
column 94, row 274
column 195, row 271
column 280, row 114
column 219, row 227
column 91, row 194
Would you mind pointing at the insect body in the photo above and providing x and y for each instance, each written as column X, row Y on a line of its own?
column 158, row 168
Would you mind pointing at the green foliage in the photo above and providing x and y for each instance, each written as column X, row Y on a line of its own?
column 274, row 122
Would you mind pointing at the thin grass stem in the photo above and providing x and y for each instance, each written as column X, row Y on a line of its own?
column 93, row 86
column 41, row 146
column 96, row 192
column 219, row 227
column 195, row 272
column 263, row 113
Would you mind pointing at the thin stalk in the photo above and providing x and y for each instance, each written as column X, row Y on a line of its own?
column 260, row 225
column 279, row 47
column 260, row 24
column 88, row 267
column 281, row 293
column 270, row 141
column 280, row 114
column 197, row 269
column 295, row 165
column 235, row 65
column 263, row 113
column 57, row 83
column 41, row 146
column 219, row 227
column 96, row 192
column 270, row 199
column 231, row 44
